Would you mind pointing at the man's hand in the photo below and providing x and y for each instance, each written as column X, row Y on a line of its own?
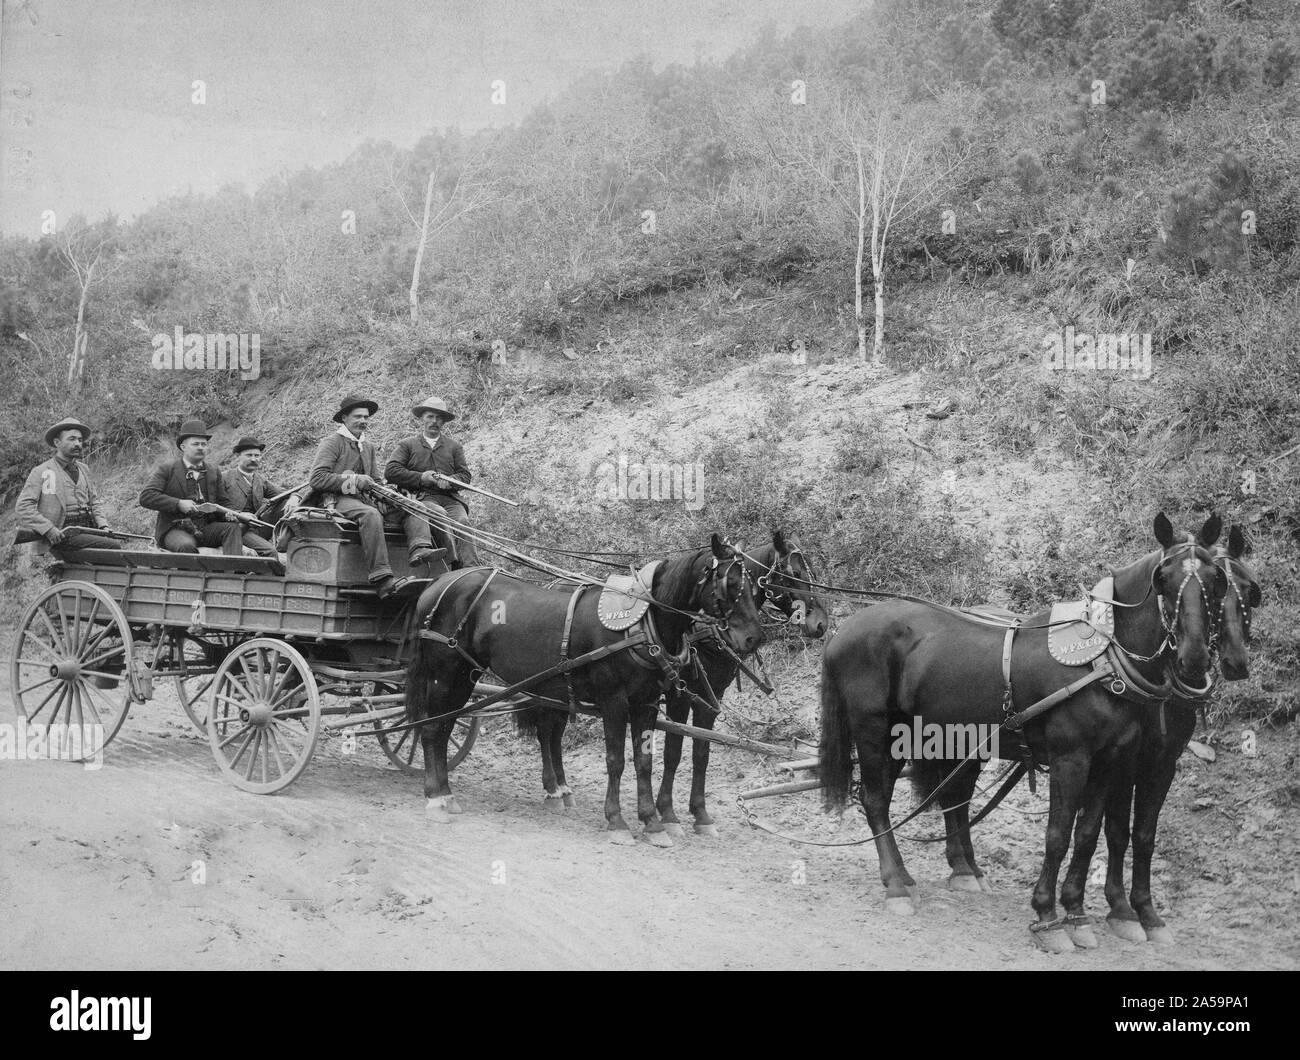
column 55, row 536
column 187, row 507
column 429, row 478
column 356, row 483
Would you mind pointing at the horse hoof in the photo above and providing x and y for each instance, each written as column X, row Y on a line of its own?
column 984, row 884
column 435, row 810
column 1128, row 930
column 674, row 828
column 1082, row 936
column 900, row 906
column 965, row 882
column 621, row 838
column 553, row 804
column 659, row 839
column 1054, row 940
column 1161, row 935
column 453, row 806
column 568, row 800
column 710, row 830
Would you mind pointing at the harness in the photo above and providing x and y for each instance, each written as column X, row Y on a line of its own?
column 644, row 643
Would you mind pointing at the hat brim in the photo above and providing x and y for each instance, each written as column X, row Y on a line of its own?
column 181, row 437
column 420, row 410
column 66, row 425
column 370, row 406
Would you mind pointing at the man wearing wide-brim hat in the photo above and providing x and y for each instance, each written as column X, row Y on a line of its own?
column 190, row 499
column 58, row 501
column 344, row 468
column 247, row 490
column 429, row 465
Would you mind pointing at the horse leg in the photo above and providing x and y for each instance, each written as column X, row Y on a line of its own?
column 1087, row 830
column 613, row 716
column 550, row 784
column 955, row 800
column 444, row 697
column 1069, row 775
column 677, row 711
column 879, row 771
column 558, row 724
column 1152, row 789
column 699, row 772
column 643, row 760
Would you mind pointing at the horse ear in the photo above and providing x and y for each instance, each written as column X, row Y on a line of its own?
column 1210, row 531
column 1236, row 543
column 720, row 550
column 1164, row 531
column 779, row 543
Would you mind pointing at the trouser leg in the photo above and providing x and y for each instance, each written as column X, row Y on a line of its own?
column 225, row 536
column 74, row 537
column 258, row 544
column 466, row 554
column 371, row 525
column 418, row 534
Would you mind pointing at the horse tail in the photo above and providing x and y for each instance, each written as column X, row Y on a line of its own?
column 928, row 774
column 835, row 754
column 526, row 723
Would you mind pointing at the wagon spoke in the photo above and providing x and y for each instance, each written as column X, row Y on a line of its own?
column 120, row 649
column 247, row 732
column 275, row 749
column 39, row 684
column 55, row 636
column 48, row 696
column 253, row 756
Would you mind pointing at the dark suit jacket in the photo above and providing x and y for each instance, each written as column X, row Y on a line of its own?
column 166, row 489
column 412, row 457
column 244, row 498
column 334, row 456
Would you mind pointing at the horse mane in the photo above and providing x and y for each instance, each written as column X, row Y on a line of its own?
column 674, row 580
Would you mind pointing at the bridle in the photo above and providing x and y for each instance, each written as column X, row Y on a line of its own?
column 780, row 594
column 1224, row 562
column 721, row 599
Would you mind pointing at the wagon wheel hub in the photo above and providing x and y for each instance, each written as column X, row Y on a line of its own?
column 66, row 670
column 258, row 713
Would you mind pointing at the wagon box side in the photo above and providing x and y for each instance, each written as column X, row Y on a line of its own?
column 249, row 603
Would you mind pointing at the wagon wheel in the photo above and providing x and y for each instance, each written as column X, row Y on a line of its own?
column 403, row 748
column 192, row 691
column 264, row 715
column 71, row 667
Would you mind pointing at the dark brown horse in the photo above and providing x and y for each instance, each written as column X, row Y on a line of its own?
column 481, row 619
column 1143, row 785
column 899, row 661
column 780, row 575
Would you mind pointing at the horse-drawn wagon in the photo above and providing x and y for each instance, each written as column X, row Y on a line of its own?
column 263, row 654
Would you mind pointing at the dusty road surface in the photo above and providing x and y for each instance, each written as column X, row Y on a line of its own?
column 154, row 861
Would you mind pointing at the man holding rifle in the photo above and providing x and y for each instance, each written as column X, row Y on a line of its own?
column 190, row 499
column 430, row 465
column 58, row 502
column 247, row 491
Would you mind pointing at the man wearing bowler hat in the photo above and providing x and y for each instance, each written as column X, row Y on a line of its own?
column 179, row 489
column 429, row 464
column 344, row 467
column 247, row 490
column 58, row 501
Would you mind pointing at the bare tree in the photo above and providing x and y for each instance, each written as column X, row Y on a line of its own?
column 467, row 193
column 92, row 252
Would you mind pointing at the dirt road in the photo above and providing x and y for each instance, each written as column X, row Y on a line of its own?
column 154, row 861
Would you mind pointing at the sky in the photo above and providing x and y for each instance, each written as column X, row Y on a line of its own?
column 97, row 97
